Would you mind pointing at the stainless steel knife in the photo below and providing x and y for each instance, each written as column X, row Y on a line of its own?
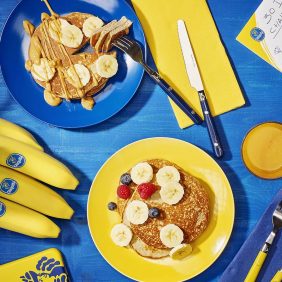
column 196, row 82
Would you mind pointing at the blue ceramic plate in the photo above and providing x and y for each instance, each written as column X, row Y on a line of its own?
column 13, row 54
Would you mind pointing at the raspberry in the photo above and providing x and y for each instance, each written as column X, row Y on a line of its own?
column 146, row 190
column 124, row 192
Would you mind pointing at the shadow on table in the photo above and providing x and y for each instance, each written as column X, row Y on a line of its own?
column 222, row 136
column 5, row 102
column 81, row 176
column 238, row 233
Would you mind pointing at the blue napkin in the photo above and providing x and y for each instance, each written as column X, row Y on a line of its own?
column 241, row 264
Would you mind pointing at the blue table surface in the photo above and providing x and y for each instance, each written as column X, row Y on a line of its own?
column 149, row 114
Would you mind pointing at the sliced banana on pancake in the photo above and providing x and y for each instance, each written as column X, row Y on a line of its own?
column 78, row 75
column 171, row 235
column 106, row 66
column 137, row 212
column 71, row 36
column 55, row 28
column 93, row 68
column 121, row 235
column 141, row 173
column 181, row 251
column 91, row 24
column 172, row 193
column 43, row 71
column 167, row 174
column 147, row 251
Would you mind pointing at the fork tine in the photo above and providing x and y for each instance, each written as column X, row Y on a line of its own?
column 120, row 45
column 125, row 42
column 128, row 41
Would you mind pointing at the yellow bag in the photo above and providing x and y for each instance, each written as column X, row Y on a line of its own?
column 47, row 265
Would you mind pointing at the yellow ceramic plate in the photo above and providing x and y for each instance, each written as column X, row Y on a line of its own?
column 206, row 249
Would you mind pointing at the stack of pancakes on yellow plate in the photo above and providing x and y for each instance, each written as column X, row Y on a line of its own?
column 191, row 213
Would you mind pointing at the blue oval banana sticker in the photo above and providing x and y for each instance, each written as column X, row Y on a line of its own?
column 9, row 186
column 257, row 34
column 15, row 160
column 2, row 209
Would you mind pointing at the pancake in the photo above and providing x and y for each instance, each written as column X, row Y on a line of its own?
column 95, row 84
column 60, row 67
column 191, row 214
column 103, row 37
column 116, row 33
column 147, row 251
column 76, row 19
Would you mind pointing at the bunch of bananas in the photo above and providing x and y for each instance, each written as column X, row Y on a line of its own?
column 24, row 201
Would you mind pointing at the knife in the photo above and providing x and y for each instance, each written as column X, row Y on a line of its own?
column 196, row 82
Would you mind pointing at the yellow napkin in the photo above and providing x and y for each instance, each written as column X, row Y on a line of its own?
column 159, row 20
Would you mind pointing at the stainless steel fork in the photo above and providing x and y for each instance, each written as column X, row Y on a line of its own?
column 133, row 49
column 258, row 263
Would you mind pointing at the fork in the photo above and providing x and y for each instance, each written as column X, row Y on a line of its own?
column 258, row 263
column 133, row 49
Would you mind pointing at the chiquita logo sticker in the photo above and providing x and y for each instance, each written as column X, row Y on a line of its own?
column 47, row 270
column 15, row 160
column 2, row 209
column 9, row 186
column 257, row 34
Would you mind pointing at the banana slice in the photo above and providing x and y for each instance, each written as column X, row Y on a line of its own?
column 51, row 99
column 93, row 68
column 167, row 174
column 141, row 173
column 43, row 71
column 181, row 251
column 106, row 66
column 71, row 36
column 137, row 212
column 90, row 25
column 172, row 193
column 88, row 103
column 55, row 28
column 171, row 235
column 78, row 75
column 121, row 235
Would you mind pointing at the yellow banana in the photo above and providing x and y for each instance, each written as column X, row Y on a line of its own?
column 14, row 131
column 30, row 161
column 20, row 219
column 28, row 192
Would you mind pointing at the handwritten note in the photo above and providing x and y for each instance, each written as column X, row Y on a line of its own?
column 263, row 32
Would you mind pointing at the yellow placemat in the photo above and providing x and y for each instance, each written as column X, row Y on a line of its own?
column 159, row 20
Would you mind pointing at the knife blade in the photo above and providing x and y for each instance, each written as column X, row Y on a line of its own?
column 197, row 83
column 189, row 57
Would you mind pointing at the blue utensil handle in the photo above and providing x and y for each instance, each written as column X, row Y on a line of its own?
column 176, row 98
column 210, row 124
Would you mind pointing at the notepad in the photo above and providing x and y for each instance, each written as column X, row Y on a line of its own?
column 263, row 33
column 159, row 21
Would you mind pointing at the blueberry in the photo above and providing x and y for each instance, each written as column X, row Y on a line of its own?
column 112, row 206
column 125, row 179
column 154, row 212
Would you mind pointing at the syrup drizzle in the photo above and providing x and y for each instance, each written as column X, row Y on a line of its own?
column 47, row 51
